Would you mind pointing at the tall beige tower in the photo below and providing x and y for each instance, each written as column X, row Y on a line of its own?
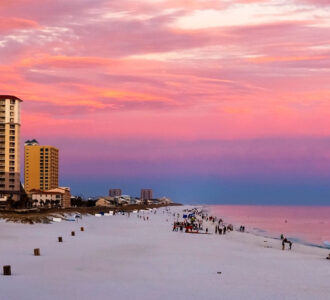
column 40, row 167
column 10, row 125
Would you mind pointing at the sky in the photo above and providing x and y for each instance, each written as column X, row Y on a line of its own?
column 203, row 101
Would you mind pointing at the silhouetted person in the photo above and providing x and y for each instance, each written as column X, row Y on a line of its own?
column 286, row 241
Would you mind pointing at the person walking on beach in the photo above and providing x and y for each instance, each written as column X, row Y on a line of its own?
column 220, row 230
column 286, row 241
column 224, row 230
column 216, row 229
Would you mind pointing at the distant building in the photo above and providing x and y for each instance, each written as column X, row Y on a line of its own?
column 60, row 196
column 123, row 200
column 40, row 166
column 114, row 192
column 165, row 200
column 106, row 201
column 146, row 194
column 10, row 125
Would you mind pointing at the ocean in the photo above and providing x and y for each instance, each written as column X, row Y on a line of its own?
column 304, row 224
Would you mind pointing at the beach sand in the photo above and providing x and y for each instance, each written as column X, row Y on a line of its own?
column 120, row 257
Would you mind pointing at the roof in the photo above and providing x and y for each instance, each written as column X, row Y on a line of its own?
column 3, row 97
column 31, row 142
column 44, row 192
column 106, row 198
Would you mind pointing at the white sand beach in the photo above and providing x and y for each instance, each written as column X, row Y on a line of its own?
column 120, row 257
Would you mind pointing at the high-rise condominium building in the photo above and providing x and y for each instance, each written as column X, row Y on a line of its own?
column 10, row 123
column 146, row 194
column 40, row 167
column 115, row 192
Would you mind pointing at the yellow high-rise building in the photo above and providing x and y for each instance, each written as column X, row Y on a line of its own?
column 40, row 167
column 10, row 126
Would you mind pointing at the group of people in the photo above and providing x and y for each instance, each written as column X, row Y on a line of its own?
column 221, row 229
column 180, row 225
column 196, row 221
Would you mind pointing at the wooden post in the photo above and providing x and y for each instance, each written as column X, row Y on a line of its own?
column 37, row 252
column 73, row 233
column 82, row 228
column 60, row 240
column 6, row 270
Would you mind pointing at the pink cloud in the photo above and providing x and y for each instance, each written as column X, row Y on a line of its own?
column 10, row 24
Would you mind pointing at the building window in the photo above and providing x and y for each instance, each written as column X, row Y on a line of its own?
column 11, row 113
column 11, row 186
column 11, row 120
column 12, row 101
column 11, row 107
column 12, row 132
column 11, row 144
column 11, row 169
column 12, row 138
column 12, row 126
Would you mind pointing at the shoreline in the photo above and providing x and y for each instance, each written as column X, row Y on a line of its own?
column 258, row 230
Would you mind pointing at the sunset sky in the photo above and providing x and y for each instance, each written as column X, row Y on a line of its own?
column 203, row 101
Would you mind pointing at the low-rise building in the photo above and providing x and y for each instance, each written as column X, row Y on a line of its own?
column 60, row 196
column 123, row 200
column 165, row 200
column 106, row 201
